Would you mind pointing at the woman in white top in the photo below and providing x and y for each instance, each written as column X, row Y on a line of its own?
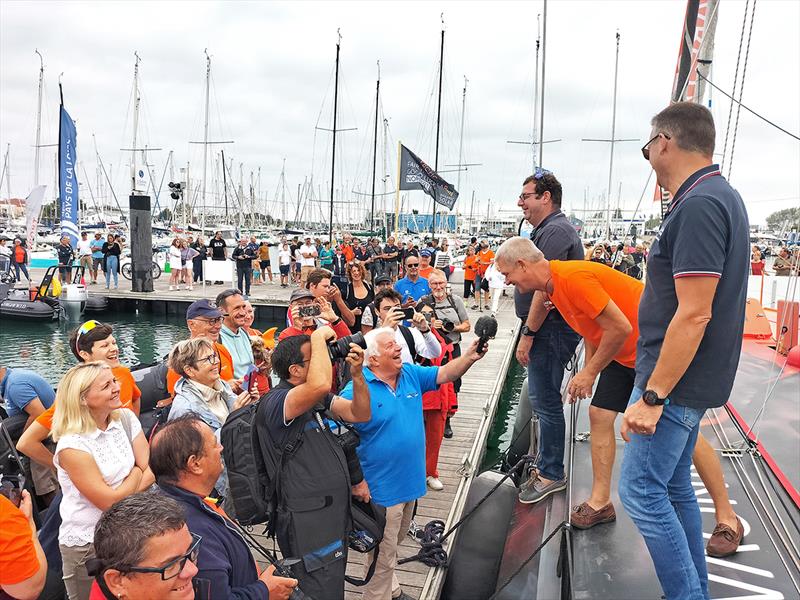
column 175, row 264
column 101, row 457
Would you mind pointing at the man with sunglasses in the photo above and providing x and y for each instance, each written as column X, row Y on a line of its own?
column 412, row 287
column 691, row 318
column 186, row 459
column 547, row 343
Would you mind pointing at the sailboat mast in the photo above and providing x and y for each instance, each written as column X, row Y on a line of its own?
column 375, row 149
column 536, row 93
column 461, row 136
column 224, row 185
column 438, row 125
column 613, row 139
column 333, row 151
column 544, row 62
column 38, row 121
column 283, row 194
column 205, row 144
column 135, row 121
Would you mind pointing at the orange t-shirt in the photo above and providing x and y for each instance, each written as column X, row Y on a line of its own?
column 225, row 368
column 485, row 258
column 469, row 267
column 19, row 254
column 582, row 289
column 425, row 272
column 128, row 392
column 348, row 252
column 18, row 560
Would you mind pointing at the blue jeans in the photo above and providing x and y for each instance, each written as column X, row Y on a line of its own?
column 655, row 487
column 23, row 266
column 112, row 267
column 552, row 348
column 243, row 279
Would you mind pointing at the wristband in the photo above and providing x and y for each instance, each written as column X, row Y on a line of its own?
column 337, row 321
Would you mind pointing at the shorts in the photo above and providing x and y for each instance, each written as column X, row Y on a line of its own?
column 44, row 478
column 614, row 388
column 390, row 269
column 97, row 262
column 297, row 267
column 484, row 285
column 284, row 269
column 264, row 264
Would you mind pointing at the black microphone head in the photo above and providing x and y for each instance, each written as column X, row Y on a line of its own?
column 486, row 327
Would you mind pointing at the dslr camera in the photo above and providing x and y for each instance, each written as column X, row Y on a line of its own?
column 339, row 349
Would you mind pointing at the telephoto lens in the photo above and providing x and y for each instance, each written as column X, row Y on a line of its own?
column 339, row 349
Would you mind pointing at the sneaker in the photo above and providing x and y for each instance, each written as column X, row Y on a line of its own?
column 415, row 532
column 585, row 517
column 448, row 431
column 171, row 288
column 434, row 483
column 474, row 307
column 724, row 540
column 191, row 287
column 535, row 489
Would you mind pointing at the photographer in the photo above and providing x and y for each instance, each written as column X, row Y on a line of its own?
column 308, row 313
column 416, row 342
column 311, row 478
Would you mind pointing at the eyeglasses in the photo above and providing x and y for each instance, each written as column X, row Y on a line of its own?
column 173, row 568
column 646, row 149
column 211, row 321
column 525, row 195
column 211, row 359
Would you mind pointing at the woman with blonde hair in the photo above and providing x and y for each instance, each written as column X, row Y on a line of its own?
column 101, row 457
column 358, row 293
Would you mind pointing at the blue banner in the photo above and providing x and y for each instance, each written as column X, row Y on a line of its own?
column 67, row 178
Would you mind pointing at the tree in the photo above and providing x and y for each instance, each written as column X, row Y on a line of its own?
column 788, row 219
column 653, row 222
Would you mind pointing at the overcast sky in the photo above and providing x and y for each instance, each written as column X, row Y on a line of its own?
column 272, row 66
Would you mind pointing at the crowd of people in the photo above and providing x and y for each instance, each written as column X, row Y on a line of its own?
column 349, row 407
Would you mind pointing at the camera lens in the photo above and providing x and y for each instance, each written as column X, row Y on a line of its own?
column 339, row 349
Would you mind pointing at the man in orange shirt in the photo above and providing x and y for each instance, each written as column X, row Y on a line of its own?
column 485, row 258
column 602, row 305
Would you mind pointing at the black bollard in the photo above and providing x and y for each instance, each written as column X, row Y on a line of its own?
column 141, row 235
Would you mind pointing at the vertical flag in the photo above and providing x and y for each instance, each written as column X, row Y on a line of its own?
column 699, row 14
column 33, row 204
column 67, row 177
column 416, row 175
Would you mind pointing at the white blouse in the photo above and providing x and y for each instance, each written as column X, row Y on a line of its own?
column 112, row 451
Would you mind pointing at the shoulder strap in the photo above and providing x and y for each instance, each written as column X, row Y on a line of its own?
column 409, row 338
column 126, row 425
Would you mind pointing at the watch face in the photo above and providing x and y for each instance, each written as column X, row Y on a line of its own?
column 651, row 398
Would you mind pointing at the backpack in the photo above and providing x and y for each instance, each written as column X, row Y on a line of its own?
column 409, row 338
column 248, row 476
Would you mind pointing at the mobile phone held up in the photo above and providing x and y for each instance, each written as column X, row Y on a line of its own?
column 408, row 313
column 11, row 487
column 249, row 380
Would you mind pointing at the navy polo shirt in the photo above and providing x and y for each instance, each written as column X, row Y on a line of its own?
column 392, row 448
column 557, row 239
column 705, row 233
column 412, row 289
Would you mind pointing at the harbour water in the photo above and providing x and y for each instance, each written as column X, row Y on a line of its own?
column 143, row 338
column 503, row 427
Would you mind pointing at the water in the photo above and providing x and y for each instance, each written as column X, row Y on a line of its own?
column 143, row 338
column 503, row 427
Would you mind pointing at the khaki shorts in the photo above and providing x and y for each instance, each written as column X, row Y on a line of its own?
column 45, row 479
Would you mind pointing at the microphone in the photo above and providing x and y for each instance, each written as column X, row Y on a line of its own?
column 485, row 329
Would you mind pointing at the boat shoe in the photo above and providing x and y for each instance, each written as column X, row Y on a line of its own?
column 584, row 516
column 535, row 489
column 724, row 540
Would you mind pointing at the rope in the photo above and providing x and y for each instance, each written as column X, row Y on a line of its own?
column 735, row 81
column 741, row 87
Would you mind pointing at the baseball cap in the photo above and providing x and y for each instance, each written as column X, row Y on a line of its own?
column 203, row 308
column 382, row 279
column 299, row 294
column 426, row 252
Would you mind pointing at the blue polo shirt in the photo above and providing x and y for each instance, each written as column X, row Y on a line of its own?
column 705, row 233
column 97, row 248
column 416, row 290
column 392, row 448
column 20, row 386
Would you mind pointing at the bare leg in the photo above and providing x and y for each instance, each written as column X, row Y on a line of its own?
column 604, row 447
column 710, row 470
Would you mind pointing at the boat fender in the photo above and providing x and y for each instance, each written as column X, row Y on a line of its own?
column 475, row 558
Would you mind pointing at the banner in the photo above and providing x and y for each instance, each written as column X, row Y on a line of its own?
column 416, row 175
column 33, row 205
column 700, row 19
column 67, row 177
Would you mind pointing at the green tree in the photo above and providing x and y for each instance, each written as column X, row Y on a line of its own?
column 788, row 218
column 653, row 222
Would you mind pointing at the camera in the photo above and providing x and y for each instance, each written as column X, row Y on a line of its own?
column 448, row 326
column 339, row 349
column 309, row 310
column 408, row 313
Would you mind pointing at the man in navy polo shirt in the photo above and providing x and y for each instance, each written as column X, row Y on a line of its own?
column 691, row 318
column 412, row 287
column 392, row 448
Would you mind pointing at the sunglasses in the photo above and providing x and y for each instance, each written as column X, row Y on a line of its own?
column 646, row 147
column 540, row 172
column 87, row 327
column 412, row 265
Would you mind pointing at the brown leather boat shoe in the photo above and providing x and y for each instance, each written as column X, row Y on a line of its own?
column 724, row 540
column 584, row 516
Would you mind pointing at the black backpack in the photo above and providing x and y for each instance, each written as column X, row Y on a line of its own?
column 248, row 476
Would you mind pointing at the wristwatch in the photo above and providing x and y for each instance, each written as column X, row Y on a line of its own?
column 651, row 398
column 526, row 331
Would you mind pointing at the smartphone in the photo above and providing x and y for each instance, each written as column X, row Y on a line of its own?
column 408, row 313
column 310, row 310
column 249, row 380
column 11, row 487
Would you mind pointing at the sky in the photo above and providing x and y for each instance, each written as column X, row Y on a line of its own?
column 272, row 95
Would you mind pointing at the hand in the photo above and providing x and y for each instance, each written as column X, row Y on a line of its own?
column 294, row 311
column 280, row 588
column 360, row 491
column 254, row 395
column 326, row 310
column 236, row 385
column 26, row 507
column 243, row 399
column 523, row 349
column 437, row 324
column 394, row 318
column 418, row 321
column 580, row 386
column 640, row 418
column 324, row 332
column 473, row 353
column 357, row 311
column 334, row 293
column 355, row 358
column 409, row 302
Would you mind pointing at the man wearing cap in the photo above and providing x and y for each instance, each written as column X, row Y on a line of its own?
column 412, row 287
column 97, row 254
column 233, row 334
column 308, row 255
column 204, row 319
column 425, row 257
column 307, row 324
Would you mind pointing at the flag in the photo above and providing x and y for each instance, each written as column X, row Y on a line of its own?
column 33, row 204
column 416, row 175
column 700, row 19
column 67, row 177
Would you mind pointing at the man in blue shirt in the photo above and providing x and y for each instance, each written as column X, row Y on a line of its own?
column 25, row 391
column 691, row 318
column 97, row 254
column 412, row 287
column 392, row 448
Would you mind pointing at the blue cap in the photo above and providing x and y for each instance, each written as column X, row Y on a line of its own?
column 426, row 252
column 203, row 308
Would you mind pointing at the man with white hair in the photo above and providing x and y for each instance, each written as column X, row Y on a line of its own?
column 392, row 448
